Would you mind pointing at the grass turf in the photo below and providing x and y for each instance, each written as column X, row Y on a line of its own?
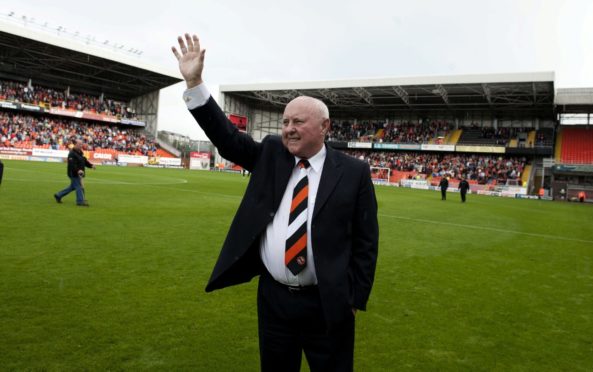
column 493, row 284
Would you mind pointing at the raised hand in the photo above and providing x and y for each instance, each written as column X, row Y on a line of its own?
column 191, row 59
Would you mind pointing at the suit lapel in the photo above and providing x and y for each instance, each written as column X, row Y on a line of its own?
column 332, row 172
column 284, row 166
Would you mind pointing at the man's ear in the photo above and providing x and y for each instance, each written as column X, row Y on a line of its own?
column 325, row 126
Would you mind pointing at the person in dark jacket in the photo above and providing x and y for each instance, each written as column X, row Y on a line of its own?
column 444, row 184
column 1, row 171
column 76, row 165
column 463, row 187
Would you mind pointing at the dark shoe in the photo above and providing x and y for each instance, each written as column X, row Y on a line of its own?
column 83, row 204
column 58, row 199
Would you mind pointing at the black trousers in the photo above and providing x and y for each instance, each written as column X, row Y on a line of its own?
column 443, row 194
column 1, row 171
column 463, row 195
column 291, row 323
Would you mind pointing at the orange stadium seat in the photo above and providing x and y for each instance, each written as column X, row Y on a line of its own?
column 164, row 153
column 577, row 146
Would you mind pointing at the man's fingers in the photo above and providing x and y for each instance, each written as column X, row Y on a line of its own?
column 202, row 54
column 190, row 44
column 181, row 44
column 196, row 43
column 176, row 53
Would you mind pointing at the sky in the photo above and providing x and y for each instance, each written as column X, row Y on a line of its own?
column 260, row 41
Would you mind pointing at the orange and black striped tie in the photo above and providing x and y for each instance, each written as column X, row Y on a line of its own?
column 295, row 256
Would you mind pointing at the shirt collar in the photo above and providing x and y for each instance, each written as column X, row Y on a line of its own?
column 316, row 161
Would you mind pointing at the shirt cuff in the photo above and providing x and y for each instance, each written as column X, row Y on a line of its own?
column 196, row 96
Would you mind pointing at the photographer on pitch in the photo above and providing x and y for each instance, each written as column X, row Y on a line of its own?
column 76, row 165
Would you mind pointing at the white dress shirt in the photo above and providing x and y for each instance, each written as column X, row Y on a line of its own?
column 196, row 96
column 273, row 240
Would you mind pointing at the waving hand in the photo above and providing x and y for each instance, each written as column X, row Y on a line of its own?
column 191, row 59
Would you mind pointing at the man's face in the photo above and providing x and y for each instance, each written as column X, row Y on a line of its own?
column 303, row 127
column 78, row 145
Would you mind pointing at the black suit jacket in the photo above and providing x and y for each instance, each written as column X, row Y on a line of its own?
column 76, row 163
column 344, row 228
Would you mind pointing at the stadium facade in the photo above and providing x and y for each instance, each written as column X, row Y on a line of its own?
column 525, row 103
column 471, row 111
column 60, row 63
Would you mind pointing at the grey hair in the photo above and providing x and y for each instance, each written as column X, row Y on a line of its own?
column 319, row 105
column 322, row 108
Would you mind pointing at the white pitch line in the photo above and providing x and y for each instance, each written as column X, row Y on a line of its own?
column 227, row 196
column 545, row 236
column 99, row 181
column 177, row 181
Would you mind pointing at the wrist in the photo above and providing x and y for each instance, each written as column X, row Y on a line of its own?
column 193, row 83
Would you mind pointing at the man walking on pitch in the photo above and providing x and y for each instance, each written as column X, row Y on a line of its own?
column 444, row 184
column 76, row 164
column 463, row 187
column 307, row 226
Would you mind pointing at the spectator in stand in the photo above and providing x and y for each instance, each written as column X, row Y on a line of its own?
column 484, row 169
column 76, row 165
column 404, row 132
column 20, row 130
column 44, row 96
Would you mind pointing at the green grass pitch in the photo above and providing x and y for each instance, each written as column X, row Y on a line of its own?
column 494, row 284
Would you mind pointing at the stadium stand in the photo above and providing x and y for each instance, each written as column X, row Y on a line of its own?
column 27, row 130
column 478, row 168
column 544, row 137
column 577, row 146
column 370, row 117
column 558, row 146
column 30, row 131
column 14, row 91
column 453, row 137
column 54, row 90
column 382, row 132
column 440, row 132
column 504, row 136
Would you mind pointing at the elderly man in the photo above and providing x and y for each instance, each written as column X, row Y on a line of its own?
column 76, row 165
column 307, row 226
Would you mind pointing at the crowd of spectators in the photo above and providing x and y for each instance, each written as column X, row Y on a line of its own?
column 498, row 136
column 348, row 131
column 37, row 95
column 504, row 134
column 477, row 167
column 21, row 130
column 422, row 133
column 404, row 132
